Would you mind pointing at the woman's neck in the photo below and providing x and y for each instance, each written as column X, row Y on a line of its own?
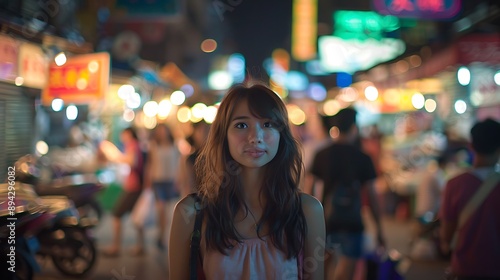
column 251, row 182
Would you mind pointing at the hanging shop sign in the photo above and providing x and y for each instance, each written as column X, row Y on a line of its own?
column 420, row 9
column 479, row 48
column 363, row 25
column 339, row 55
column 33, row 65
column 360, row 41
column 8, row 58
column 80, row 80
column 484, row 91
column 304, row 26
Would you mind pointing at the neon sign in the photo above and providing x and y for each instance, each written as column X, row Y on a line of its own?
column 423, row 9
column 81, row 79
column 363, row 25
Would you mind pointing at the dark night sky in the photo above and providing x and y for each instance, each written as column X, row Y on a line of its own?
column 258, row 27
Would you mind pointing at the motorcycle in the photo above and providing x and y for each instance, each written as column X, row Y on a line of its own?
column 80, row 188
column 55, row 232
column 68, row 242
column 21, row 215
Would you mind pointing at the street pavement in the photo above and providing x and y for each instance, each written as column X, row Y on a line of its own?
column 153, row 265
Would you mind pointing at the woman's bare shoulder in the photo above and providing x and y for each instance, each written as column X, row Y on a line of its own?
column 186, row 208
column 310, row 204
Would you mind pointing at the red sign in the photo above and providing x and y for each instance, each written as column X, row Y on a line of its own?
column 8, row 58
column 81, row 79
column 423, row 9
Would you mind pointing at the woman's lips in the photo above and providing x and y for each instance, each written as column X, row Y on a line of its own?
column 256, row 153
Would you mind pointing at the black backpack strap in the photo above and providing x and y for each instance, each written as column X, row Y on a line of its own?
column 195, row 239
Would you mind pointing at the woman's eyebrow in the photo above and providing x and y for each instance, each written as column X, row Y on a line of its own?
column 240, row 118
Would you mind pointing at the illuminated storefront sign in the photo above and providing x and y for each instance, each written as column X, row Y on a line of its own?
column 33, row 66
column 359, row 42
column 338, row 55
column 422, row 9
column 8, row 58
column 81, row 79
column 304, row 26
column 363, row 25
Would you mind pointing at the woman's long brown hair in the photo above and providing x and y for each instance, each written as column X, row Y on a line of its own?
column 218, row 181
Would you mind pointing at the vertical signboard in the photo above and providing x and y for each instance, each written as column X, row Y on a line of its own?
column 304, row 29
column 33, row 66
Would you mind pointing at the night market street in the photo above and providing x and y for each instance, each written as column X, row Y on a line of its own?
column 153, row 265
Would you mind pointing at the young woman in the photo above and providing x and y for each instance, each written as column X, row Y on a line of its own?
column 161, row 174
column 131, row 156
column 256, row 222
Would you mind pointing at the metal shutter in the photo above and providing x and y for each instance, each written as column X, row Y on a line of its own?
column 16, row 127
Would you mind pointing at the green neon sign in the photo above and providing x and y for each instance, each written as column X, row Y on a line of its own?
column 362, row 25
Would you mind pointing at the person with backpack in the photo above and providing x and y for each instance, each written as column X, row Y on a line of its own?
column 132, row 187
column 346, row 173
column 470, row 210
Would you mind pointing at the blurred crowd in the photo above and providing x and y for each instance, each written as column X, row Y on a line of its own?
column 412, row 166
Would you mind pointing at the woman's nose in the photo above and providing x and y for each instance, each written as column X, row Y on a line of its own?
column 256, row 135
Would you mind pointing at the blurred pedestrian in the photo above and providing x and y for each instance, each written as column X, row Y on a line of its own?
column 132, row 156
column 256, row 224
column 319, row 139
column 475, row 222
column 162, row 167
column 346, row 172
column 187, row 172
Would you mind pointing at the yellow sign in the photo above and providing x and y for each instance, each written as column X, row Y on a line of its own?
column 81, row 79
column 304, row 26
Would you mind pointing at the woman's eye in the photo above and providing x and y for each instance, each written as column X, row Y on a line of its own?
column 240, row 125
column 268, row 124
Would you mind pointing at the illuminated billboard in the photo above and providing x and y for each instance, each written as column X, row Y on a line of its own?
column 420, row 9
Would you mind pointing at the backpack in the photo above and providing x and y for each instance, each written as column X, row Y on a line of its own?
column 342, row 205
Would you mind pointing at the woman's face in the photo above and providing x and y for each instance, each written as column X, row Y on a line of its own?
column 161, row 133
column 253, row 142
column 126, row 137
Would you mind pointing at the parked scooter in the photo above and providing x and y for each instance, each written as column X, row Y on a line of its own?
column 80, row 188
column 68, row 242
column 21, row 215
column 58, row 231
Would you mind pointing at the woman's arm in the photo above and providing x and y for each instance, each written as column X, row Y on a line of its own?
column 314, row 247
column 129, row 156
column 180, row 239
column 113, row 154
